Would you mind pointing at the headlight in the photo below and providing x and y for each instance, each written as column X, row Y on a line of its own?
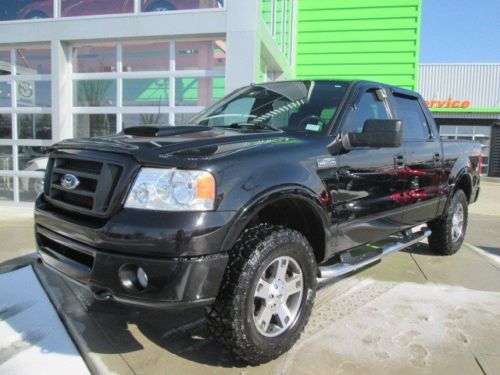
column 172, row 190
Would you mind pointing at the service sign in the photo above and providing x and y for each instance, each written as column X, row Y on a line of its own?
column 449, row 103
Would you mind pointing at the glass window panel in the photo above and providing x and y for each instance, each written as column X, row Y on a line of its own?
column 197, row 91
column 5, row 158
column 92, row 59
column 32, row 158
column 219, row 88
column 367, row 108
column 169, row 5
column 6, row 188
column 465, row 129
column 34, row 94
column 34, row 9
column 183, row 118
column 485, row 151
column 94, row 93
column 485, row 141
column 30, row 188
column 5, row 126
column 5, row 67
column 94, row 125
column 447, row 130
column 464, row 137
column 482, row 131
column 414, row 122
column 145, row 57
column 448, row 137
column 144, row 119
column 34, row 126
column 33, row 60
column 205, row 55
column 146, row 92
column 5, row 94
column 74, row 8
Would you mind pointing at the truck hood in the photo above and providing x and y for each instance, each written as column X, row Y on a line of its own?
column 178, row 145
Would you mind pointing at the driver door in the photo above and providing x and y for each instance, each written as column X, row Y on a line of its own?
column 368, row 204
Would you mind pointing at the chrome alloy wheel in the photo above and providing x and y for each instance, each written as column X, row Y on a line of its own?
column 278, row 296
column 457, row 222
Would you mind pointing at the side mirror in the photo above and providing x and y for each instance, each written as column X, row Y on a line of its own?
column 376, row 133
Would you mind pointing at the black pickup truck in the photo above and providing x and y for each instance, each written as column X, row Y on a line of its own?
column 243, row 208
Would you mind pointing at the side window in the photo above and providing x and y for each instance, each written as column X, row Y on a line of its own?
column 414, row 122
column 369, row 107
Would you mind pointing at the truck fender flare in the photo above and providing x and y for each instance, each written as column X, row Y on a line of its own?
column 464, row 172
column 272, row 195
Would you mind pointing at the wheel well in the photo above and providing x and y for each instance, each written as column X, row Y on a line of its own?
column 465, row 184
column 295, row 214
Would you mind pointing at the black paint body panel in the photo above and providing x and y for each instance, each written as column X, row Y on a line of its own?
column 359, row 196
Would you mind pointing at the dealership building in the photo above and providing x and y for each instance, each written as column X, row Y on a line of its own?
column 80, row 68
column 465, row 101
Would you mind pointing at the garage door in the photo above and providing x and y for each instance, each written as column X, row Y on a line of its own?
column 495, row 152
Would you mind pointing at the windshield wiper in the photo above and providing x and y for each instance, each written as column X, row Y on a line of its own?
column 260, row 126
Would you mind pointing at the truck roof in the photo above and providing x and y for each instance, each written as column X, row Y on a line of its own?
column 354, row 82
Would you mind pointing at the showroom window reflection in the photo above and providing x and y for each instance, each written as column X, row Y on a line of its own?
column 43, row 9
column 25, row 120
column 117, row 85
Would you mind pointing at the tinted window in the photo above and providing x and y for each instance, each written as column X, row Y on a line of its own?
column 368, row 108
column 414, row 122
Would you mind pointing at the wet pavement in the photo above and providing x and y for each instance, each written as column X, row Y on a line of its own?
column 415, row 312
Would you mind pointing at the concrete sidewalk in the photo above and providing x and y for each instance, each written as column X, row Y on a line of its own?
column 414, row 312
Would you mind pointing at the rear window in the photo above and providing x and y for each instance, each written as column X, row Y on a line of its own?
column 414, row 122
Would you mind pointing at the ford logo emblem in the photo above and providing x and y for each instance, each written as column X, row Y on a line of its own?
column 69, row 181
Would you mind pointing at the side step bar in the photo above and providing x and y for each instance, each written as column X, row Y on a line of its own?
column 340, row 269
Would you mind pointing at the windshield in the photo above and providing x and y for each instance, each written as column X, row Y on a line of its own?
column 295, row 106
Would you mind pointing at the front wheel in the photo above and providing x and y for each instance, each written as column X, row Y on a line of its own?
column 267, row 294
column 448, row 232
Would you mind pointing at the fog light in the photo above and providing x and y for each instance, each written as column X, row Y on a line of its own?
column 133, row 278
column 142, row 278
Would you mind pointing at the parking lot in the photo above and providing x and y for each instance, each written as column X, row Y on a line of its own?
column 414, row 312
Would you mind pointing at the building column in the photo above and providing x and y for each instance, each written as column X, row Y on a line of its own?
column 243, row 43
column 62, row 94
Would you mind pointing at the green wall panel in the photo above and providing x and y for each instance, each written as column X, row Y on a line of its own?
column 359, row 39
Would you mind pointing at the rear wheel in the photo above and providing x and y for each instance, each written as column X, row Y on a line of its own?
column 448, row 232
column 267, row 294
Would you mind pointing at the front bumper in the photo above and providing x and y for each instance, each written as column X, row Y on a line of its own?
column 171, row 282
column 183, row 266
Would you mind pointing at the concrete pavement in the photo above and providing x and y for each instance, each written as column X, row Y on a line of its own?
column 414, row 312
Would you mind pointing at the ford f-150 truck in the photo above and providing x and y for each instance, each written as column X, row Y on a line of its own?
column 243, row 208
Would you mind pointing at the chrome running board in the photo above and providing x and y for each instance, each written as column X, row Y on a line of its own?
column 340, row 269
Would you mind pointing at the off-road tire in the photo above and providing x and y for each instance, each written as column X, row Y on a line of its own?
column 441, row 240
column 230, row 319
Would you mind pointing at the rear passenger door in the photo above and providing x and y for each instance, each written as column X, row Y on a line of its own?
column 423, row 161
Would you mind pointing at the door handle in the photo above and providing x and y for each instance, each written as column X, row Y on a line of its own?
column 399, row 161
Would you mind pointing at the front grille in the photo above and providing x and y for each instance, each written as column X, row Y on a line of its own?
column 98, row 178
